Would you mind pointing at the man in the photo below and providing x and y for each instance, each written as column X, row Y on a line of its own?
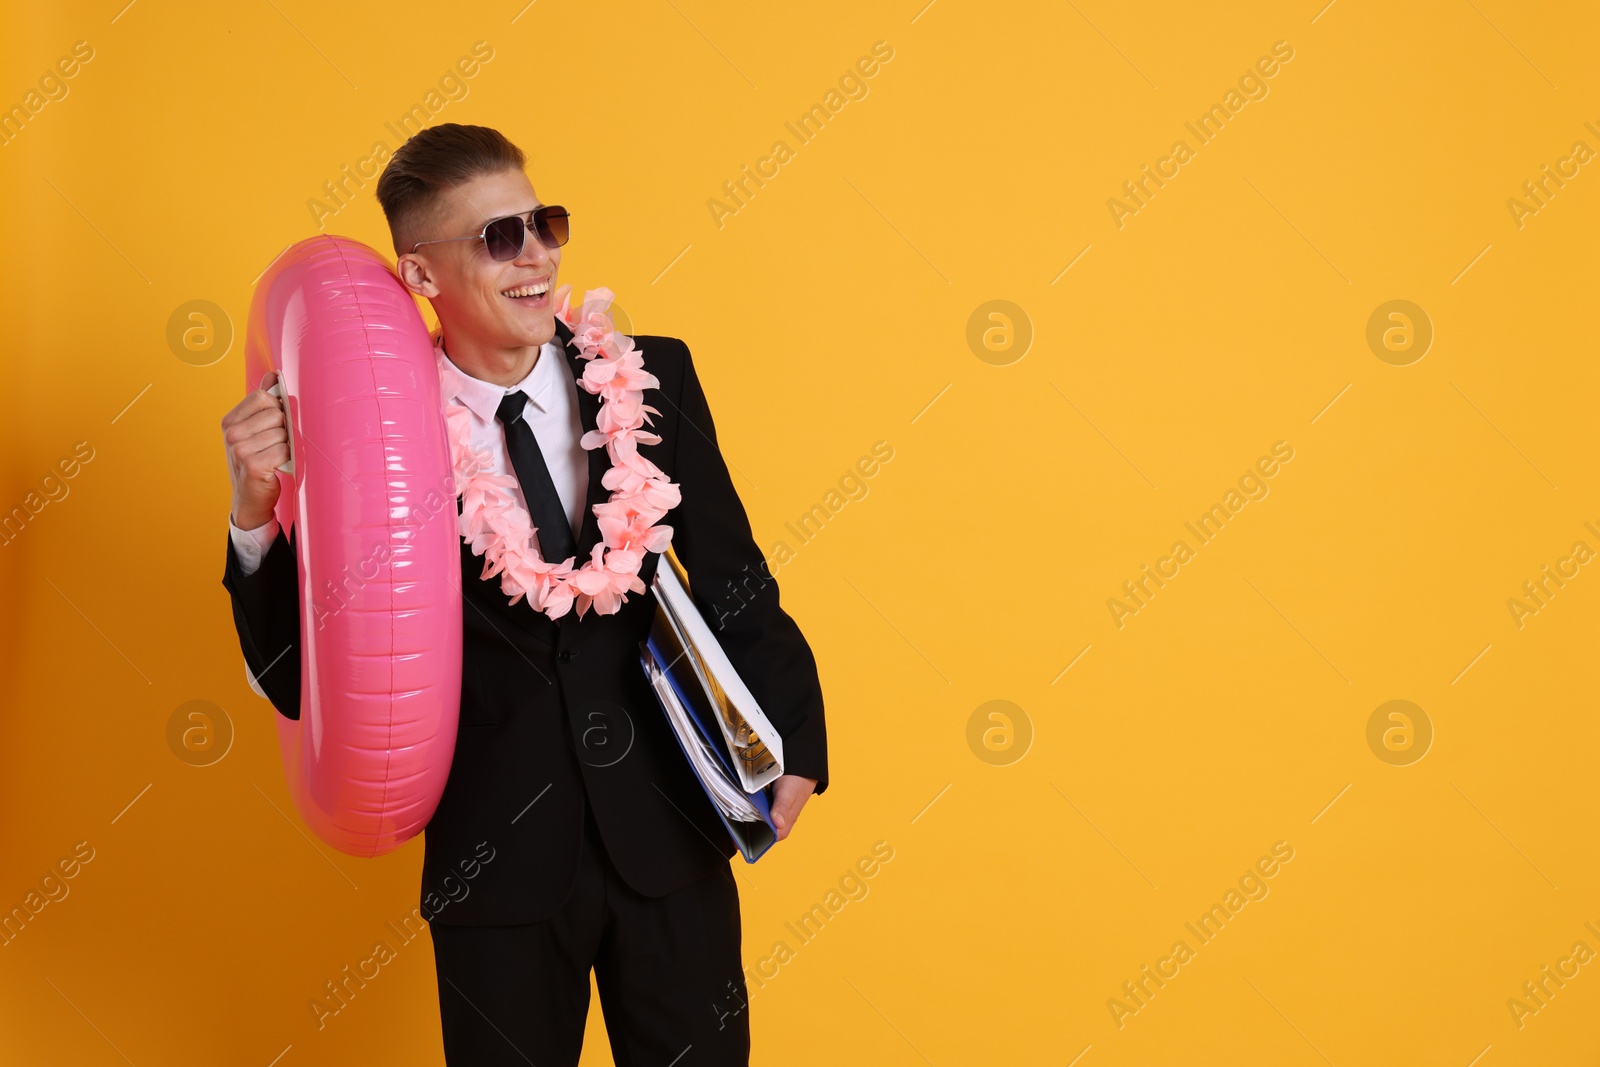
column 571, row 833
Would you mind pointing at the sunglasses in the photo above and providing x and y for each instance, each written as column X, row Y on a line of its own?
column 504, row 238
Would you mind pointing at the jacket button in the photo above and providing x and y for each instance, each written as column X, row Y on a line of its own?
column 565, row 655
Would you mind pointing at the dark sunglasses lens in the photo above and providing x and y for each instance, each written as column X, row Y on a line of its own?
column 504, row 238
column 550, row 223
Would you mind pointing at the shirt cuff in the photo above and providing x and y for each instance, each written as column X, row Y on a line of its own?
column 251, row 545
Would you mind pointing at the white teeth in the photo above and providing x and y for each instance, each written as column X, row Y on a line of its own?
column 529, row 290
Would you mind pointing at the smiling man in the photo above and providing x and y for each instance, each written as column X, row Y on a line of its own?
column 572, row 834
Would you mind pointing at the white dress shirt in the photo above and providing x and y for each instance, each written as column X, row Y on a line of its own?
column 551, row 411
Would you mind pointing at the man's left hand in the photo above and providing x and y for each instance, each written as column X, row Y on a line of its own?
column 789, row 794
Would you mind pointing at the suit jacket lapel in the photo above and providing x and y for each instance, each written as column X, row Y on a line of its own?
column 599, row 460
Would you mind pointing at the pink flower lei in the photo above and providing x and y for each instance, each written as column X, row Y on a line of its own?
column 502, row 532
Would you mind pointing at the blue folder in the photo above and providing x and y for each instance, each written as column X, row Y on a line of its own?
column 664, row 649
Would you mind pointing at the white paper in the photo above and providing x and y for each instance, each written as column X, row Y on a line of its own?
column 696, row 635
column 724, row 793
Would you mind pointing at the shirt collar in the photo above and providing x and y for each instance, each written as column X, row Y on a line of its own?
column 483, row 398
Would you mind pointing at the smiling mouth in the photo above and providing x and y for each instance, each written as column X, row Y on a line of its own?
column 536, row 294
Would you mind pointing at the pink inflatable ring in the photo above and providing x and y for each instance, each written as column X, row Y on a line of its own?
column 373, row 500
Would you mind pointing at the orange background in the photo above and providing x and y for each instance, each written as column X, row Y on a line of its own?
column 1044, row 850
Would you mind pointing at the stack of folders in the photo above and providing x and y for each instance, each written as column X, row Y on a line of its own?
column 730, row 744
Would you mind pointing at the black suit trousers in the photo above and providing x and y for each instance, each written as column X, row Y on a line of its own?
column 668, row 968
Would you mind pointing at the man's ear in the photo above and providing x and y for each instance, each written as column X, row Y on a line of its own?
column 415, row 276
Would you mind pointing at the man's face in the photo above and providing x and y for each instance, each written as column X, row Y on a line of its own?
column 467, row 288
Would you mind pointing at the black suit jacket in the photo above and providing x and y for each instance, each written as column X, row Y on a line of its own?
column 556, row 714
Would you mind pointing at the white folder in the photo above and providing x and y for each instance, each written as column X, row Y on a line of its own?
column 708, row 704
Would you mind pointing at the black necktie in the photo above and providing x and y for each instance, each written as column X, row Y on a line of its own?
column 544, row 504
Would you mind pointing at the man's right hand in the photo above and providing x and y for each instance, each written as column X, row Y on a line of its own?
column 256, row 436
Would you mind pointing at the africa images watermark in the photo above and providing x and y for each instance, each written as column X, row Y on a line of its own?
column 1252, row 486
column 53, row 889
column 1252, row 86
column 337, row 995
column 55, row 490
column 1538, row 592
column 852, row 487
column 1252, row 885
column 331, row 598
column 340, row 192
column 1537, row 993
column 852, row 86
column 852, row 887
column 1538, row 192
column 52, row 86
